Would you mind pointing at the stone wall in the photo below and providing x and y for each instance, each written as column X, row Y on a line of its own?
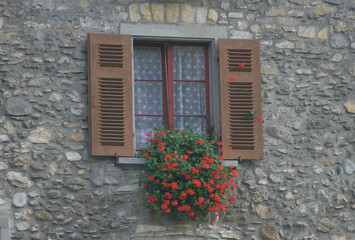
column 303, row 189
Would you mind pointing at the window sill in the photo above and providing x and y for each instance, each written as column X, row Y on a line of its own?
column 141, row 161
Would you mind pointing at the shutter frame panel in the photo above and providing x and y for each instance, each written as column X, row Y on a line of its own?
column 242, row 137
column 110, row 95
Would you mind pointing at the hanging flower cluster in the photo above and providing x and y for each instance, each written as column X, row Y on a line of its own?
column 186, row 176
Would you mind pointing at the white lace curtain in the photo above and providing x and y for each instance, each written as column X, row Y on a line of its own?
column 189, row 90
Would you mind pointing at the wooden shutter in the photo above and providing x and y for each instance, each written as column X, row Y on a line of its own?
column 110, row 95
column 241, row 135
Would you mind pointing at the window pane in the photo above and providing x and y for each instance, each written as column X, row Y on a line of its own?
column 196, row 123
column 148, row 97
column 143, row 125
column 189, row 62
column 147, row 63
column 190, row 98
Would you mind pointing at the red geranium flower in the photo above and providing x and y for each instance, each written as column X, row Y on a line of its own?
column 151, row 178
column 194, row 170
column 232, row 79
column 168, row 195
column 196, row 182
column 199, row 141
column 191, row 213
column 174, row 186
column 182, row 196
column 261, row 119
column 190, row 191
column 242, row 64
column 222, row 150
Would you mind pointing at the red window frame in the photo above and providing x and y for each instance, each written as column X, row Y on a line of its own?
column 168, row 81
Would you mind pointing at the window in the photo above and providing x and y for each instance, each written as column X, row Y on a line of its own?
column 170, row 87
column 112, row 83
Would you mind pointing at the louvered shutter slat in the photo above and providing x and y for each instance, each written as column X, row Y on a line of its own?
column 241, row 135
column 110, row 87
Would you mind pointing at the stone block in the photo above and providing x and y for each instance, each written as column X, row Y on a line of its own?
column 201, row 15
column 187, row 13
column 213, row 16
column 275, row 12
column 306, row 31
column 145, row 10
column 158, row 12
column 235, row 15
column 350, row 106
column 338, row 41
column 323, row 34
column 172, row 12
column 322, row 10
column 40, row 135
column 134, row 12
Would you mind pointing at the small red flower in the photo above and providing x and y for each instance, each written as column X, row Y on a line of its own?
column 141, row 204
column 151, row 178
column 164, row 206
column 149, row 134
column 174, row 203
column 147, row 139
column 168, row 195
column 212, row 223
column 185, row 157
column 160, row 144
column 188, row 151
column 194, row 170
column 232, row 79
column 219, row 143
column 181, row 130
column 174, row 186
column 222, row 150
column 190, row 191
column 199, row 141
column 216, row 132
column 182, row 196
column 261, row 119
column 191, row 213
column 242, row 64
column 220, row 158
column 160, row 149
column 196, row 182
column 167, row 156
column 146, row 184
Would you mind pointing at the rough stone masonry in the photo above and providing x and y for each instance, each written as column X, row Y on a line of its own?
column 50, row 188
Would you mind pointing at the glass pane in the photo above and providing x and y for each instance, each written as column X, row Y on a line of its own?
column 145, row 124
column 147, row 63
column 189, row 62
column 196, row 123
column 190, row 98
column 148, row 97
